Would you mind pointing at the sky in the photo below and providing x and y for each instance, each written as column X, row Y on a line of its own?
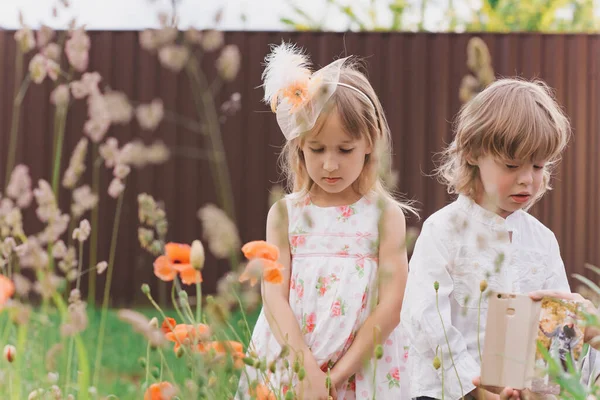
column 141, row 14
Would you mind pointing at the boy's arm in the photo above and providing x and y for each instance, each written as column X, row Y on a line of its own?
column 428, row 325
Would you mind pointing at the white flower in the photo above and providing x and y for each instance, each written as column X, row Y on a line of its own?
column 77, row 50
column 37, row 68
column 52, row 377
column 121, row 171
column 228, row 63
column 150, row 115
column 193, row 36
column 76, row 164
column 174, row 57
column 109, row 151
column 197, row 256
column 82, row 233
column 115, row 188
column 83, row 200
column 212, row 40
column 24, row 37
column 44, row 35
column 60, row 96
column 53, row 69
column 19, row 186
column 118, row 107
column 88, row 85
column 147, row 40
column 220, row 232
column 95, row 129
column 52, row 51
column 59, row 250
column 101, row 267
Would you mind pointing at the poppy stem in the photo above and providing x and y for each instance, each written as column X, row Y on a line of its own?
column 198, row 302
column 147, row 365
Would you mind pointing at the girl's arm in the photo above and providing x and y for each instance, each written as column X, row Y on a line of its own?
column 393, row 270
column 278, row 312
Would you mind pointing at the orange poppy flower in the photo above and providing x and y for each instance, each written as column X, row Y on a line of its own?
column 178, row 252
column 164, row 270
column 261, row 392
column 7, row 289
column 160, row 391
column 272, row 272
column 184, row 333
column 233, row 348
column 168, row 325
column 176, row 259
column 269, row 270
column 260, row 249
column 189, row 275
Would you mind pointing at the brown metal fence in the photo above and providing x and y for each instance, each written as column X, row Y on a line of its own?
column 417, row 77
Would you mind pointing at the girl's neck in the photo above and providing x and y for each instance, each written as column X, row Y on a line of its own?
column 321, row 198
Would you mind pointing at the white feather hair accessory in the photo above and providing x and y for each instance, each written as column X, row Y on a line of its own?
column 297, row 95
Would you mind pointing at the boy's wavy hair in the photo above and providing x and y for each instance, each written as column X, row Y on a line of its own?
column 512, row 119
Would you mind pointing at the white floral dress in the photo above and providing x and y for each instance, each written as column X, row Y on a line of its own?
column 332, row 290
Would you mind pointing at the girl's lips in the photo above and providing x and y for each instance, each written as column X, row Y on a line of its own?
column 331, row 180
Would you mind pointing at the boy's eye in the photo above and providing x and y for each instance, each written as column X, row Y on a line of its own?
column 346, row 151
column 316, row 150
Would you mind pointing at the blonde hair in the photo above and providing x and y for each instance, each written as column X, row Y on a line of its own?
column 511, row 119
column 361, row 117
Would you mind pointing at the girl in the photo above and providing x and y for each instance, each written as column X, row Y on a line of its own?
column 508, row 139
column 341, row 240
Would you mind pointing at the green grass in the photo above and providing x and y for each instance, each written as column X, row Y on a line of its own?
column 121, row 375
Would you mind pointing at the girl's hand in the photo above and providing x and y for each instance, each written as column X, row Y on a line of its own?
column 314, row 385
column 590, row 331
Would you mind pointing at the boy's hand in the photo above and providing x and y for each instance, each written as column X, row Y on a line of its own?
column 590, row 331
column 494, row 393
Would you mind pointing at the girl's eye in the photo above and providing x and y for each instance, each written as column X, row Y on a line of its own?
column 316, row 150
column 538, row 166
column 511, row 166
column 346, row 151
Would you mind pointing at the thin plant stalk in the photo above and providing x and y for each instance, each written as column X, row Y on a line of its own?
column 95, row 226
column 437, row 306
column 60, row 117
column 109, row 273
column 72, row 339
column 479, row 325
column 148, row 365
column 198, row 302
column 16, row 114
column 21, row 339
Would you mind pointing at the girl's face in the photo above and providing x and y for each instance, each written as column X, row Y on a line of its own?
column 334, row 160
column 508, row 185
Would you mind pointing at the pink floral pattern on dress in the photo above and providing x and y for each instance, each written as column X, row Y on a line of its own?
column 309, row 322
column 393, row 377
column 324, row 283
column 338, row 308
column 345, row 212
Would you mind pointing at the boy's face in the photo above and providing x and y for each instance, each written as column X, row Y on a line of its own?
column 508, row 185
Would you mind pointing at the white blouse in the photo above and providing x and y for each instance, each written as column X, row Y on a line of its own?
column 460, row 246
